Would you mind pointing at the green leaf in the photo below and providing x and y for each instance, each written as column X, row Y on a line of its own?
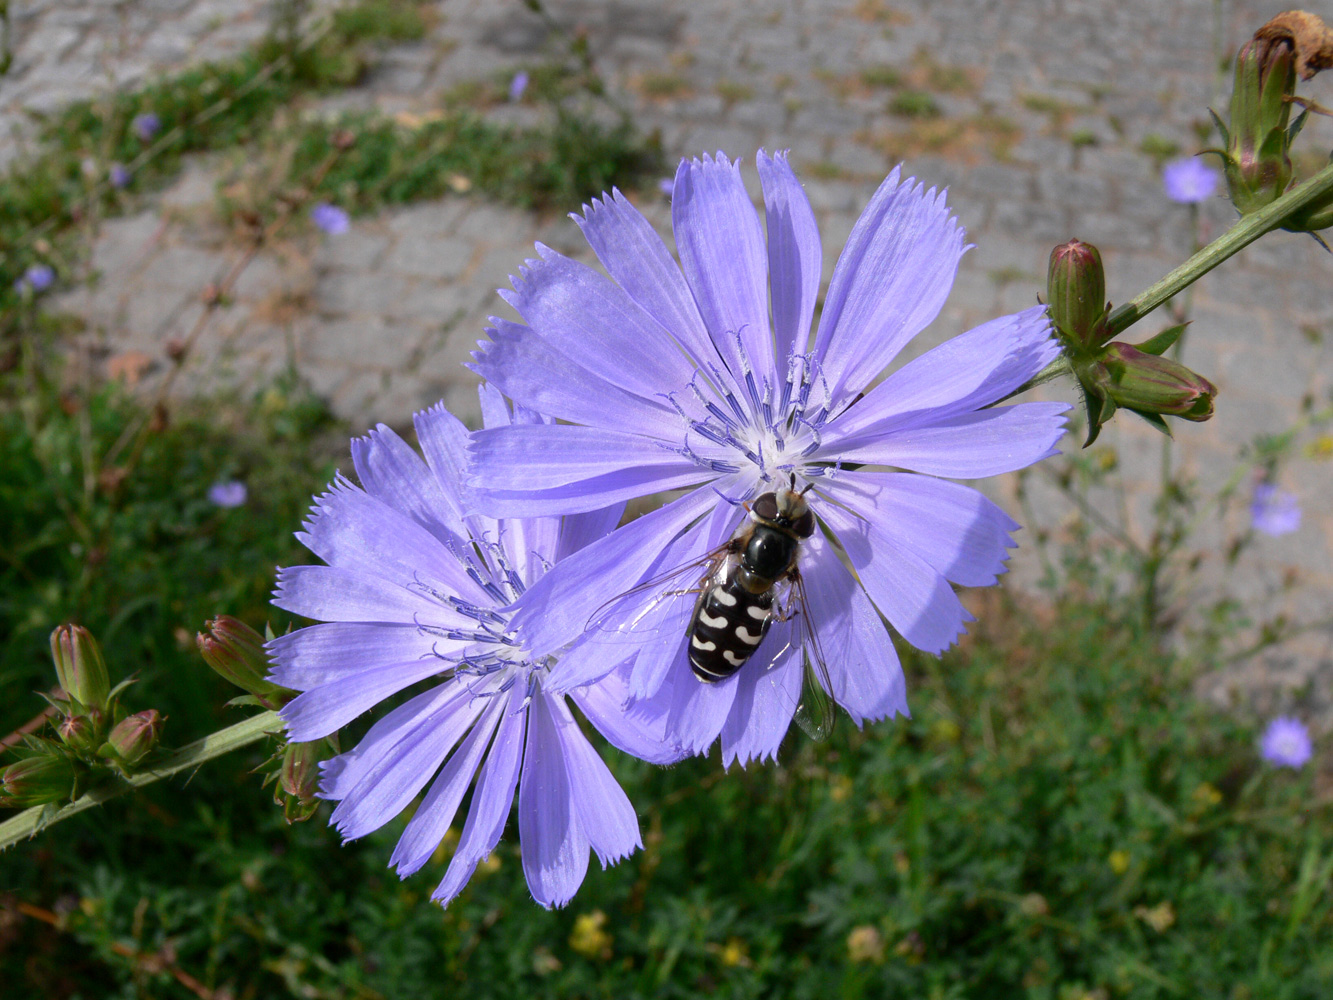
column 1159, row 344
column 1157, row 421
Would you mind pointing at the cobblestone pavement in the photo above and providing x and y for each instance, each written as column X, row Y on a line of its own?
column 1042, row 110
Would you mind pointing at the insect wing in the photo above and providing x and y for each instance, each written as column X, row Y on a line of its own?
column 814, row 712
column 651, row 607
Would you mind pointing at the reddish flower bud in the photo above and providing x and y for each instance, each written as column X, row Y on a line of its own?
column 298, row 780
column 1257, row 166
column 1147, row 383
column 82, row 732
column 134, row 736
column 79, row 666
column 236, row 651
column 1076, row 294
column 35, row 781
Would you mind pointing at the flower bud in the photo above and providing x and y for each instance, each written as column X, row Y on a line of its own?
column 236, row 651
column 1257, row 166
column 298, row 780
column 79, row 666
column 35, row 781
column 1148, row 384
column 1076, row 293
column 133, row 737
column 82, row 732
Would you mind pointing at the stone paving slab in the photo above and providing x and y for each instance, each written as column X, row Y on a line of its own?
column 1043, row 109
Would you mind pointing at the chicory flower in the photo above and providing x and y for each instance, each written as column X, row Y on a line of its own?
column 416, row 591
column 671, row 377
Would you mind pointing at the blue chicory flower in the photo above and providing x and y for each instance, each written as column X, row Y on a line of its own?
column 146, row 125
column 37, row 278
column 667, row 185
column 1286, row 743
column 231, row 493
column 119, row 175
column 668, row 381
column 1274, row 511
column 517, row 85
column 415, row 590
column 1190, row 180
column 330, row 218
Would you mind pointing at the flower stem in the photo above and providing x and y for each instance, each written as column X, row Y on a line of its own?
column 252, row 730
column 1239, row 236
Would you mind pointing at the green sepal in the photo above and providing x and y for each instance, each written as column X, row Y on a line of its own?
column 1162, row 342
column 247, row 699
column 115, row 691
column 1158, row 421
column 65, row 706
column 1294, row 129
column 1221, row 128
column 1100, row 409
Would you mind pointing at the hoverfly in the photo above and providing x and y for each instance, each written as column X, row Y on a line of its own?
column 750, row 581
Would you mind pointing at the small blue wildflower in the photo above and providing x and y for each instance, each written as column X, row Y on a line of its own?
column 415, row 590
column 1274, row 511
column 145, row 126
column 231, row 493
column 330, row 218
column 119, row 175
column 1190, row 180
column 1286, row 743
column 666, row 185
column 518, row 85
column 37, row 278
column 671, row 377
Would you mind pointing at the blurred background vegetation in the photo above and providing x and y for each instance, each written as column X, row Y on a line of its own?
column 1060, row 819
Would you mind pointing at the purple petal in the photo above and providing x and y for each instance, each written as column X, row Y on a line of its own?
column 394, row 474
column 316, row 655
column 354, row 531
column 1189, row 180
column 768, row 690
column 639, row 734
column 604, row 810
column 698, row 710
column 331, row 706
column 399, row 775
column 436, row 813
column 1274, row 511
column 229, row 494
column 916, row 600
column 966, row 373
column 955, row 529
column 721, row 247
column 556, row 609
column 566, row 468
column 530, row 370
column 443, row 440
column 586, row 316
column 890, row 281
column 552, row 840
column 578, row 531
column 635, row 256
column 972, row 445
column 328, row 593
column 491, row 800
column 863, row 668
column 795, row 255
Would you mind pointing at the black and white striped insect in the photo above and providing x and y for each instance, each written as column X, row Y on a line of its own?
column 735, row 607
column 749, row 582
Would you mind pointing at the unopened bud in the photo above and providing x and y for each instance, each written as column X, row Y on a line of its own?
column 134, row 736
column 236, row 651
column 79, row 666
column 82, row 732
column 1257, row 166
column 35, row 781
column 1076, row 294
column 298, row 780
column 1147, row 383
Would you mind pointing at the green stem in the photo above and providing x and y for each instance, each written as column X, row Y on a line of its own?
column 252, row 730
column 1239, row 236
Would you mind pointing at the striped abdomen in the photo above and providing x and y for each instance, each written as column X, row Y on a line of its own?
column 728, row 625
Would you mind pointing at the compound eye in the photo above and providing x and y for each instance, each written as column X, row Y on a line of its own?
column 805, row 525
column 766, row 507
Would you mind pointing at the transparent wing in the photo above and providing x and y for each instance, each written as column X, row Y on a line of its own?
column 814, row 712
column 644, row 608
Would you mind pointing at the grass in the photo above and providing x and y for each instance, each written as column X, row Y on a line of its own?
column 1059, row 819
column 250, row 103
